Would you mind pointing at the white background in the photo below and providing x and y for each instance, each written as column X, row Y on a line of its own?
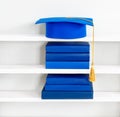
column 17, row 17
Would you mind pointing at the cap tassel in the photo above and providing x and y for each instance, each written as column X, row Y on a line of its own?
column 92, row 74
column 92, row 70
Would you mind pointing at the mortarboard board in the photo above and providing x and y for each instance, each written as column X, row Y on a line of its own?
column 66, row 28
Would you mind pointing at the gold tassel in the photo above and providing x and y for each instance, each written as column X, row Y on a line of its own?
column 92, row 70
column 92, row 74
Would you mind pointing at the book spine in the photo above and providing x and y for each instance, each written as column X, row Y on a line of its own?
column 69, row 81
column 67, row 65
column 66, row 95
column 67, row 57
column 68, row 49
column 68, row 87
column 68, row 76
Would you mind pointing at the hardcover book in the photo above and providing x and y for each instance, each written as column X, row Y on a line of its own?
column 67, row 56
column 66, row 95
column 82, row 88
column 75, row 47
column 67, row 79
column 67, row 65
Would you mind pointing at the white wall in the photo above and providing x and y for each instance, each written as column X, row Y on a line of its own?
column 17, row 17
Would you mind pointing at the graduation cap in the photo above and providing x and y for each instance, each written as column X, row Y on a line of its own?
column 66, row 28
column 69, row 28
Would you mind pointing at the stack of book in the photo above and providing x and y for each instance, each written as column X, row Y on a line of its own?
column 67, row 86
column 67, row 55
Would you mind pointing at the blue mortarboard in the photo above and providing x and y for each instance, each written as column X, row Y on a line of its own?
column 66, row 28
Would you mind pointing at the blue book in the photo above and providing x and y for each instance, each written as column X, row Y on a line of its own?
column 67, row 65
column 81, row 88
column 82, row 47
column 66, row 95
column 67, row 56
column 67, row 79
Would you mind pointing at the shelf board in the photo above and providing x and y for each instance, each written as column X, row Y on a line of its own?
column 39, row 38
column 37, row 69
column 32, row 96
column 40, row 69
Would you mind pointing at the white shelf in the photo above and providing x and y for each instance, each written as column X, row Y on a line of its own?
column 39, row 38
column 35, row 38
column 37, row 69
column 32, row 96
column 40, row 69
column 107, row 69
